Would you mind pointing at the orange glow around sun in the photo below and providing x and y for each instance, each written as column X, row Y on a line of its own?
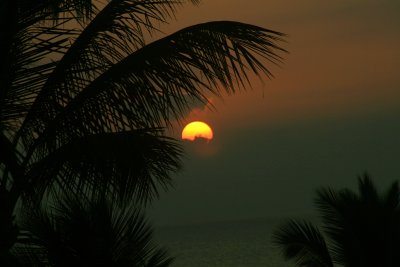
column 197, row 129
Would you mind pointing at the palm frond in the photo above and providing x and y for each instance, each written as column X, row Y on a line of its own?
column 155, row 84
column 28, row 68
column 32, row 12
column 368, row 191
column 132, row 164
column 27, row 43
column 301, row 241
column 361, row 227
column 88, row 232
column 341, row 213
column 391, row 199
column 334, row 206
column 116, row 31
column 391, row 233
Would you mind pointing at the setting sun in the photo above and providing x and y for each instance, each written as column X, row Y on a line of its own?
column 197, row 129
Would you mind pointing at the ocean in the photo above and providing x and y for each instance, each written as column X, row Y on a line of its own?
column 245, row 243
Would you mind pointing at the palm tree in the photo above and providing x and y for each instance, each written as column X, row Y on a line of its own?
column 89, row 232
column 361, row 229
column 85, row 98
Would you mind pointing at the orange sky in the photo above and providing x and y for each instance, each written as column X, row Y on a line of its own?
column 343, row 59
column 330, row 114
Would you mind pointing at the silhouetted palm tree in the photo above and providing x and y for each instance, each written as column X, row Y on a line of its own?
column 89, row 232
column 361, row 229
column 84, row 97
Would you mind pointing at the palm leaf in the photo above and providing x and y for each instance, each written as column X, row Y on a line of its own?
column 356, row 224
column 391, row 199
column 24, row 25
column 367, row 189
column 35, row 11
column 130, row 164
column 115, row 32
column 27, row 68
column 156, row 83
column 302, row 242
column 87, row 232
column 340, row 213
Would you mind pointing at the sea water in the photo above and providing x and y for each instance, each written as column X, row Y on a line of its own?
column 244, row 243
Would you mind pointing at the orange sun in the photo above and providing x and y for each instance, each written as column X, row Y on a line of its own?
column 197, row 129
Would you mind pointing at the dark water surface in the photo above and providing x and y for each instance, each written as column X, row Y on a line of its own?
column 229, row 243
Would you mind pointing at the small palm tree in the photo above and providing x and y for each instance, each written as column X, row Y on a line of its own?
column 88, row 232
column 361, row 229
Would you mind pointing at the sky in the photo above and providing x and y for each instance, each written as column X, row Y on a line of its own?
column 330, row 114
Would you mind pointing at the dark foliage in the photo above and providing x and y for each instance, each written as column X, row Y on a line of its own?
column 85, row 98
column 361, row 229
column 88, row 232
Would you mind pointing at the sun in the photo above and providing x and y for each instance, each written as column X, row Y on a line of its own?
column 197, row 129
